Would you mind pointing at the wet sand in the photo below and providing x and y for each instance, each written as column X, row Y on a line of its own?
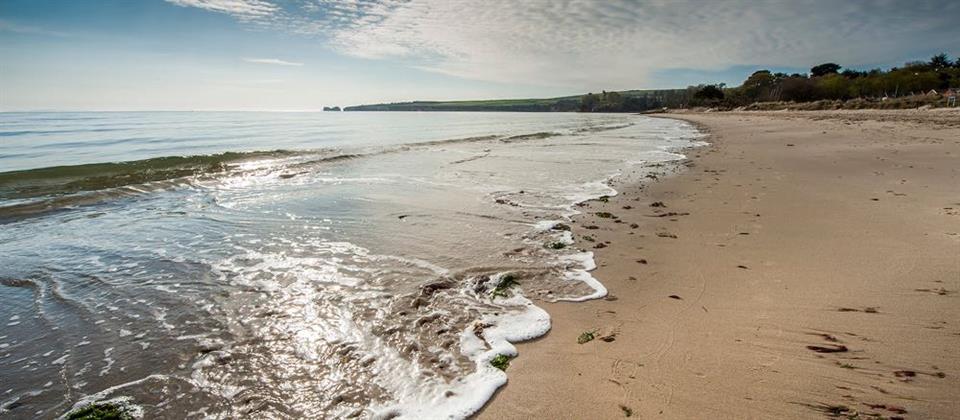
column 803, row 265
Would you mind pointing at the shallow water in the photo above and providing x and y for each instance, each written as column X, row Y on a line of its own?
column 347, row 267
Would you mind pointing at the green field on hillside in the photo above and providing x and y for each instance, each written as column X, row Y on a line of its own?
column 560, row 104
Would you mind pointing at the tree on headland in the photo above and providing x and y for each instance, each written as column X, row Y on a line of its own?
column 759, row 86
column 939, row 61
column 589, row 102
column 632, row 101
column 797, row 88
column 853, row 74
column 709, row 92
column 824, row 69
column 610, row 102
column 833, row 86
column 825, row 82
column 604, row 102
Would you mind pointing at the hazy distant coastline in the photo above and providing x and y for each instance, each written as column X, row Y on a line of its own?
column 632, row 101
column 933, row 83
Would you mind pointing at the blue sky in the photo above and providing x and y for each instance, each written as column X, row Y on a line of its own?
column 304, row 54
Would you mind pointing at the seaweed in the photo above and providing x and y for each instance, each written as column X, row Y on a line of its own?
column 506, row 282
column 501, row 362
column 100, row 411
column 829, row 349
column 556, row 245
column 838, row 410
column 586, row 337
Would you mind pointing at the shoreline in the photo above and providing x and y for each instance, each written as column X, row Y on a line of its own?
column 781, row 279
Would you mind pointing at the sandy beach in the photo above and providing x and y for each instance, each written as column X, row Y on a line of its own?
column 803, row 265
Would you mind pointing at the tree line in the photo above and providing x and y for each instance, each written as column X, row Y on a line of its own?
column 827, row 81
column 633, row 101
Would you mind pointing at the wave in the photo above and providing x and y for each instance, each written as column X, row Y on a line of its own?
column 328, row 327
column 532, row 136
column 61, row 180
column 40, row 191
column 65, row 131
column 69, row 179
column 596, row 129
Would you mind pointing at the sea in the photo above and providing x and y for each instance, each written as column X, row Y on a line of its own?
column 300, row 264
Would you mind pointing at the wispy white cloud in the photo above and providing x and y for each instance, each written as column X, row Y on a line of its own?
column 8, row 26
column 619, row 43
column 274, row 61
column 242, row 9
column 611, row 43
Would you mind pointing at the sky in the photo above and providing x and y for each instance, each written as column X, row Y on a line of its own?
column 306, row 54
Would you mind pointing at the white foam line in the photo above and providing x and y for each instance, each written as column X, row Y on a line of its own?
column 519, row 320
column 465, row 396
column 546, row 225
column 586, row 261
column 134, row 410
column 666, row 153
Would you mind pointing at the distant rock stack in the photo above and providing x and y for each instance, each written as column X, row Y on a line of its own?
column 331, row 108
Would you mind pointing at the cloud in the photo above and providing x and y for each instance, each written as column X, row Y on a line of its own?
column 247, row 10
column 614, row 43
column 274, row 61
column 619, row 43
column 7, row 26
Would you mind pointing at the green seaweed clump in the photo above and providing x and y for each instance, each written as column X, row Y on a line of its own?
column 604, row 214
column 100, row 411
column 585, row 337
column 505, row 283
column 556, row 245
column 501, row 362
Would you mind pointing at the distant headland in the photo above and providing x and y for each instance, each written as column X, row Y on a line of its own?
column 934, row 83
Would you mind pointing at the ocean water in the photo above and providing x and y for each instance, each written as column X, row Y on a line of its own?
column 275, row 265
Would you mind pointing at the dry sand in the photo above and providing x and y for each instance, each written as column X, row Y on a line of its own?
column 807, row 233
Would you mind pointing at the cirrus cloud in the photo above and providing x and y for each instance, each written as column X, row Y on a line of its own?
column 241, row 9
column 275, row 61
column 616, row 43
